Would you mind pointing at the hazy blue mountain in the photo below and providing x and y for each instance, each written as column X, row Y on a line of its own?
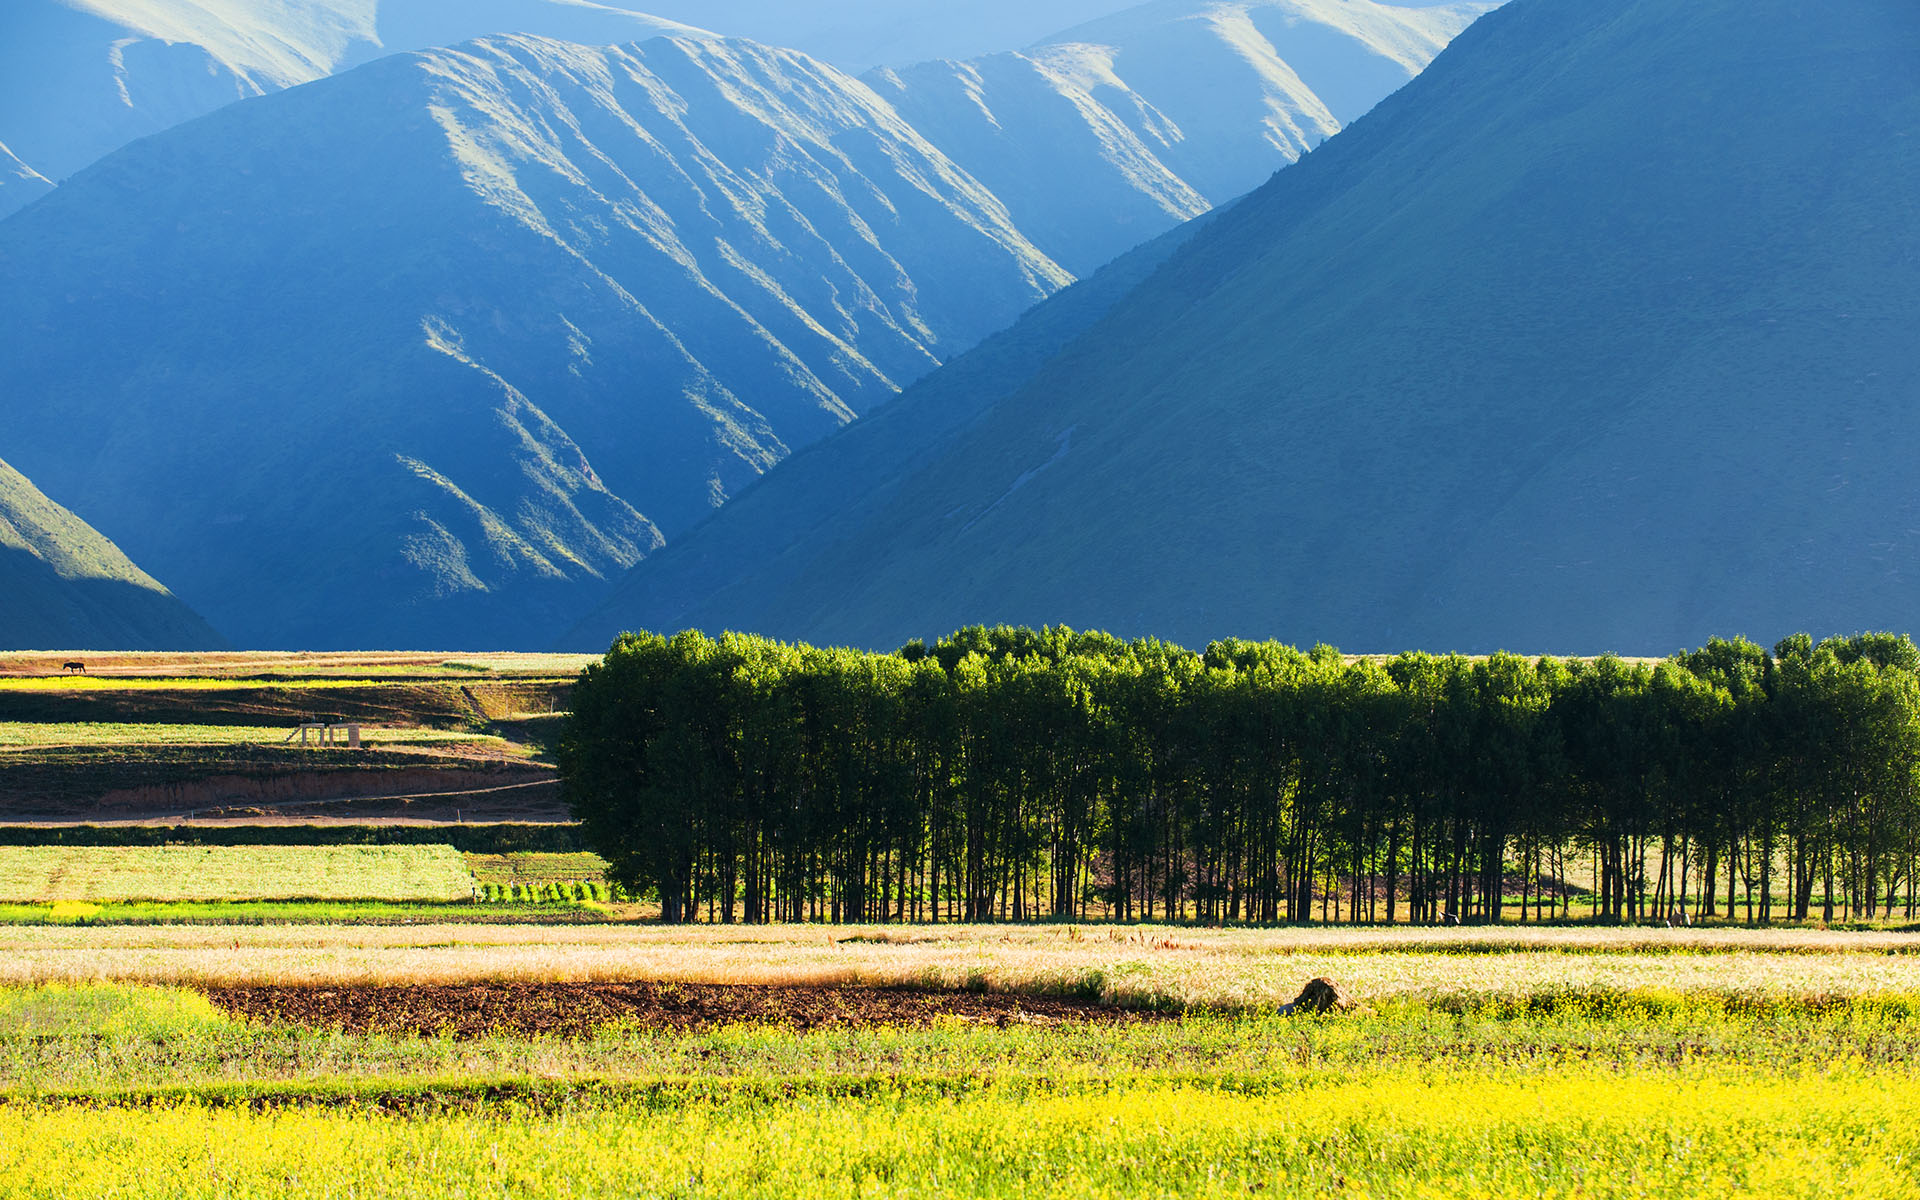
column 858, row 34
column 1204, row 83
column 1117, row 130
column 1598, row 335
column 81, row 78
column 417, row 353
column 426, row 352
column 64, row 587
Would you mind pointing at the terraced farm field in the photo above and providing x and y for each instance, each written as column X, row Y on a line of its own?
column 214, row 738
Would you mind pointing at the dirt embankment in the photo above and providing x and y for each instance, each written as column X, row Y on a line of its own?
column 403, row 793
column 438, row 704
column 579, row 1009
column 95, row 784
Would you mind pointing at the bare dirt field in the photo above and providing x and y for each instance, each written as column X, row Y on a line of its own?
column 579, row 1009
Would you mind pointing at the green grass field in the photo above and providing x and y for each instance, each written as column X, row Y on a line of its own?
column 525, row 867
column 31, row 874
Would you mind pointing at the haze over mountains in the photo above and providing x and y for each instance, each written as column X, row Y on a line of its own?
column 81, row 78
column 425, row 352
column 63, row 586
column 1105, row 135
column 1599, row 335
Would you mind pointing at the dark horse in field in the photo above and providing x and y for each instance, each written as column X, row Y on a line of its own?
column 74, row 666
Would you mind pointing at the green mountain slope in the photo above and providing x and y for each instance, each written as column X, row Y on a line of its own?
column 64, row 586
column 1599, row 334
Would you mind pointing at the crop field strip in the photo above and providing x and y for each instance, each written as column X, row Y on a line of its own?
column 293, row 665
column 526, row 867
column 547, row 911
column 15, row 735
column 1178, row 967
column 1386, row 1133
column 201, row 873
column 448, row 703
column 131, row 1040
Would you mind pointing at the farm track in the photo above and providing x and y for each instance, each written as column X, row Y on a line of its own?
column 469, row 1011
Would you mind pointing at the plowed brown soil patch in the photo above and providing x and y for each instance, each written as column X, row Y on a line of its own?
column 579, row 1009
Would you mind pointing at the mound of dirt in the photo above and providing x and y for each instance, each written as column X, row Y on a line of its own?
column 1322, row 996
column 580, row 1009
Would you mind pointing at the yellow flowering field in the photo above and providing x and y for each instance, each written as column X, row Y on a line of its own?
column 1590, row 1063
column 1840, row 1133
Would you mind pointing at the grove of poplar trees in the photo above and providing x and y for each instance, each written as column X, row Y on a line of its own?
column 1019, row 774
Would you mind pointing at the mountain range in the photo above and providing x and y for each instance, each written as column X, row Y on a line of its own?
column 63, row 586
column 81, row 78
column 1598, row 335
column 857, row 35
column 426, row 352
column 410, row 350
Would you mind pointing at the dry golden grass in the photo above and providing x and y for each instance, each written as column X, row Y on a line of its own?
column 122, row 664
column 1210, row 967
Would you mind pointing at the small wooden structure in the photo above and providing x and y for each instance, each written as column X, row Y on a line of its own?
column 329, row 733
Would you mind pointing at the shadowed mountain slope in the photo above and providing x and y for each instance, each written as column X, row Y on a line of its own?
column 1599, row 335
column 422, row 352
column 64, row 587
column 768, row 538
